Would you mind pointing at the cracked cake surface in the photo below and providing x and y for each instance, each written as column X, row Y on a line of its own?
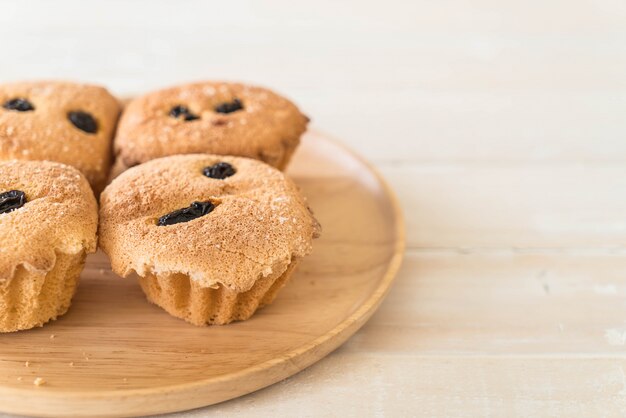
column 209, row 117
column 59, row 121
column 59, row 216
column 258, row 224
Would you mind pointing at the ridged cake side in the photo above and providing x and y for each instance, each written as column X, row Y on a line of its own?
column 186, row 299
column 30, row 299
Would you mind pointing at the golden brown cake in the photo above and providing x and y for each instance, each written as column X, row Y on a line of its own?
column 48, row 223
column 212, row 238
column 59, row 121
column 209, row 117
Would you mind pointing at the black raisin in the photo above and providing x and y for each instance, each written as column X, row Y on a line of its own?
column 178, row 111
column 83, row 121
column 195, row 210
column 183, row 112
column 11, row 200
column 219, row 171
column 19, row 104
column 229, row 107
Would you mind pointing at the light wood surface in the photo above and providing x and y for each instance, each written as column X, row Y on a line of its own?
column 500, row 125
column 114, row 354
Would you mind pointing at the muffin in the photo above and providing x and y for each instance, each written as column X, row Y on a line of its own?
column 210, row 117
column 211, row 238
column 59, row 121
column 48, row 223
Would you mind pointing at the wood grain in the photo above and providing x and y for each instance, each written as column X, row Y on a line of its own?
column 522, row 335
column 512, row 206
column 114, row 354
column 417, row 386
column 501, row 127
column 534, row 305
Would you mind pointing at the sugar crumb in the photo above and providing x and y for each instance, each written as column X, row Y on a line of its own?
column 39, row 381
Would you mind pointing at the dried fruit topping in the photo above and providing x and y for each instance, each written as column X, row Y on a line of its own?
column 83, row 121
column 229, row 107
column 195, row 210
column 219, row 171
column 19, row 104
column 183, row 112
column 11, row 200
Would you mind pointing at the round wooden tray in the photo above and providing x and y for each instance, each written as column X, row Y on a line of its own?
column 114, row 354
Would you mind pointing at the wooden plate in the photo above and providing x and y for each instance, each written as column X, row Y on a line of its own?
column 114, row 354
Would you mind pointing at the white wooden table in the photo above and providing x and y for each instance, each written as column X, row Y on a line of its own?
column 501, row 126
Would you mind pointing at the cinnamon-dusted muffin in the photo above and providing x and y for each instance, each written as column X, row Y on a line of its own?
column 48, row 223
column 59, row 121
column 212, row 238
column 209, row 117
